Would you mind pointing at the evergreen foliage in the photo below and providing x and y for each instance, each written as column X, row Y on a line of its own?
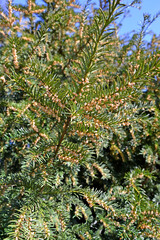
column 79, row 124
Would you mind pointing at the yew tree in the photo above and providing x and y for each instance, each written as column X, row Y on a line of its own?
column 79, row 123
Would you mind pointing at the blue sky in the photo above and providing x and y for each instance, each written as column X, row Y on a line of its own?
column 133, row 19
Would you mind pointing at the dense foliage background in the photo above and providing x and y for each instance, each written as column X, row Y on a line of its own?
column 79, row 124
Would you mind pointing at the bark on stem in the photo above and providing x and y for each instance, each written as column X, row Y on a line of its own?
column 63, row 134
